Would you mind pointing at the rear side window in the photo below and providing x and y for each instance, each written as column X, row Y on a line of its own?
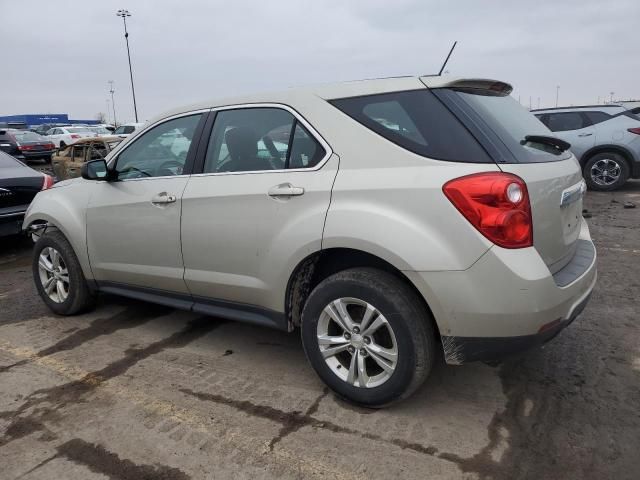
column 416, row 121
column 597, row 117
column 564, row 121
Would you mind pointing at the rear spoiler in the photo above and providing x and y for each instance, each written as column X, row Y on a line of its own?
column 478, row 86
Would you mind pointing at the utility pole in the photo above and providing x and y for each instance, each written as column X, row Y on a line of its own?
column 124, row 14
column 113, row 103
column 108, row 110
column 557, row 94
column 611, row 97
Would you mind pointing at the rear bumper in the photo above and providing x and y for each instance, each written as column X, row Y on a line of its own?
column 507, row 302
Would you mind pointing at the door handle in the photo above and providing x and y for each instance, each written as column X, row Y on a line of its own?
column 585, row 134
column 163, row 198
column 285, row 190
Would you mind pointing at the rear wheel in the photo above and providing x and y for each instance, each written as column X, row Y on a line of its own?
column 606, row 171
column 368, row 336
column 58, row 275
column 62, row 145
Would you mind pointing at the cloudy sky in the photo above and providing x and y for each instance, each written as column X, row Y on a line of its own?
column 58, row 56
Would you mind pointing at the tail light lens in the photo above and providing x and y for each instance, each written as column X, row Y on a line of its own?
column 75, row 135
column 47, row 182
column 635, row 130
column 497, row 204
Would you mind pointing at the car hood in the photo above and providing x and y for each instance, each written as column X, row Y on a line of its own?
column 66, row 183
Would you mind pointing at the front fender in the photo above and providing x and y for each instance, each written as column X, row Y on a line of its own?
column 64, row 207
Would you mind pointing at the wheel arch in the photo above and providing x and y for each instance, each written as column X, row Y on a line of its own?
column 619, row 149
column 319, row 265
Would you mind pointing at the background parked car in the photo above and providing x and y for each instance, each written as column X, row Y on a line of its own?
column 127, row 129
column 63, row 136
column 18, row 185
column 604, row 138
column 68, row 162
column 26, row 145
column 100, row 130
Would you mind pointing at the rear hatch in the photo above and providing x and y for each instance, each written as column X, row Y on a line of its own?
column 520, row 144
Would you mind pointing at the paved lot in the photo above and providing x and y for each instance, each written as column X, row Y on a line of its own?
column 136, row 391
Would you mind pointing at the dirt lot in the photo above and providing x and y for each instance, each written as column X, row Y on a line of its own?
column 136, row 391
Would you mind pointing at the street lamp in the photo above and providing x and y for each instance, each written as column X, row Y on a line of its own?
column 124, row 14
column 113, row 103
column 557, row 94
column 612, row 94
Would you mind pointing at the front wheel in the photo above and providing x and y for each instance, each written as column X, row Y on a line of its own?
column 58, row 275
column 606, row 171
column 368, row 336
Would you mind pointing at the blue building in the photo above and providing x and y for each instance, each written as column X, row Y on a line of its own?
column 35, row 119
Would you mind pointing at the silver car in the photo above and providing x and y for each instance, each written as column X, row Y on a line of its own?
column 381, row 218
column 604, row 138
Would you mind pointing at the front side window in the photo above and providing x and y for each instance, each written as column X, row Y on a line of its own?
column 161, row 151
column 260, row 139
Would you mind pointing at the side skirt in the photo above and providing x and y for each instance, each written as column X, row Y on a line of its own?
column 239, row 312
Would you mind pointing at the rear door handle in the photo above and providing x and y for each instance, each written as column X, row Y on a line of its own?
column 163, row 198
column 285, row 190
column 585, row 134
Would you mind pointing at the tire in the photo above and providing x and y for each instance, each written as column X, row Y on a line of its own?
column 78, row 297
column 62, row 145
column 408, row 332
column 614, row 168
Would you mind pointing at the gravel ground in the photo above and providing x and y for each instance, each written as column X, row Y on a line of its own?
column 136, row 391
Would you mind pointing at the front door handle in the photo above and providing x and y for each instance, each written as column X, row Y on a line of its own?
column 163, row 198
column 585, row 134
column 285, row 190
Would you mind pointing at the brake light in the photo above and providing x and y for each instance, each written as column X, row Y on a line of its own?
column 635, row 130
column 75, row 135
column 47, row 182
column 23, row 148
column 50, row 146
column 495, row 203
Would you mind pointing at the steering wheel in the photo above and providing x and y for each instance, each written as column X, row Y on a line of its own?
column 131, row 169
column 277, row 156
column 170, row 167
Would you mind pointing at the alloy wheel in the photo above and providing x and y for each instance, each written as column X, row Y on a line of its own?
column 357, row 342
column 606, row 172
column 54, row 275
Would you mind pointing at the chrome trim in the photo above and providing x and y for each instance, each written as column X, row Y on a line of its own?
column 12, row 214
column 314, row 133
column 573, row 193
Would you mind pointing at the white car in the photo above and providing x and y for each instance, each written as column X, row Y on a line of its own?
column 100, row 131
column 126, row 129
column 63, row 136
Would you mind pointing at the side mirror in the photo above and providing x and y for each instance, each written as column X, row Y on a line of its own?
column 95, row 170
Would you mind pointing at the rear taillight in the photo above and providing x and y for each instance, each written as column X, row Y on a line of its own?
column 497, row 204
column 635, row 130
column 47, row 182
column 75, row 135
column 50, row 146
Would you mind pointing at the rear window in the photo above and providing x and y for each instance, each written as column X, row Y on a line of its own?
column 79, row 130
column 511, row 122
column 416, row 121
column 27, row 136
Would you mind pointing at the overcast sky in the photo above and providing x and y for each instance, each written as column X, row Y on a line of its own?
column 58, row 56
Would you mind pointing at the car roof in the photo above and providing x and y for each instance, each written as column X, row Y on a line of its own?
column 111, row 138
column 353, row 88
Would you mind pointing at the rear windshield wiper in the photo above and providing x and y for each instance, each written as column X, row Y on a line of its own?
column 560, row 145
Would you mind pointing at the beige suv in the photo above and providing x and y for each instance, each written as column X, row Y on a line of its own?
column 381, row 217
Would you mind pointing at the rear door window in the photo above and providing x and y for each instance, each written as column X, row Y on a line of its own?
column 416, row 121
column 597, row 117
column 565, row 121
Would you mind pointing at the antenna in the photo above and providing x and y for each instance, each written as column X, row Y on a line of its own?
column 447, row 59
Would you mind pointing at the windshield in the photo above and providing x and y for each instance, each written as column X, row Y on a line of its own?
column 27, row 137
column 512, row 123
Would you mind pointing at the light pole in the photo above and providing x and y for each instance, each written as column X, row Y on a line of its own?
column 124, row 14
column 113, row 102
column 108, row 111
column 557, row 94
column 611, row 93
